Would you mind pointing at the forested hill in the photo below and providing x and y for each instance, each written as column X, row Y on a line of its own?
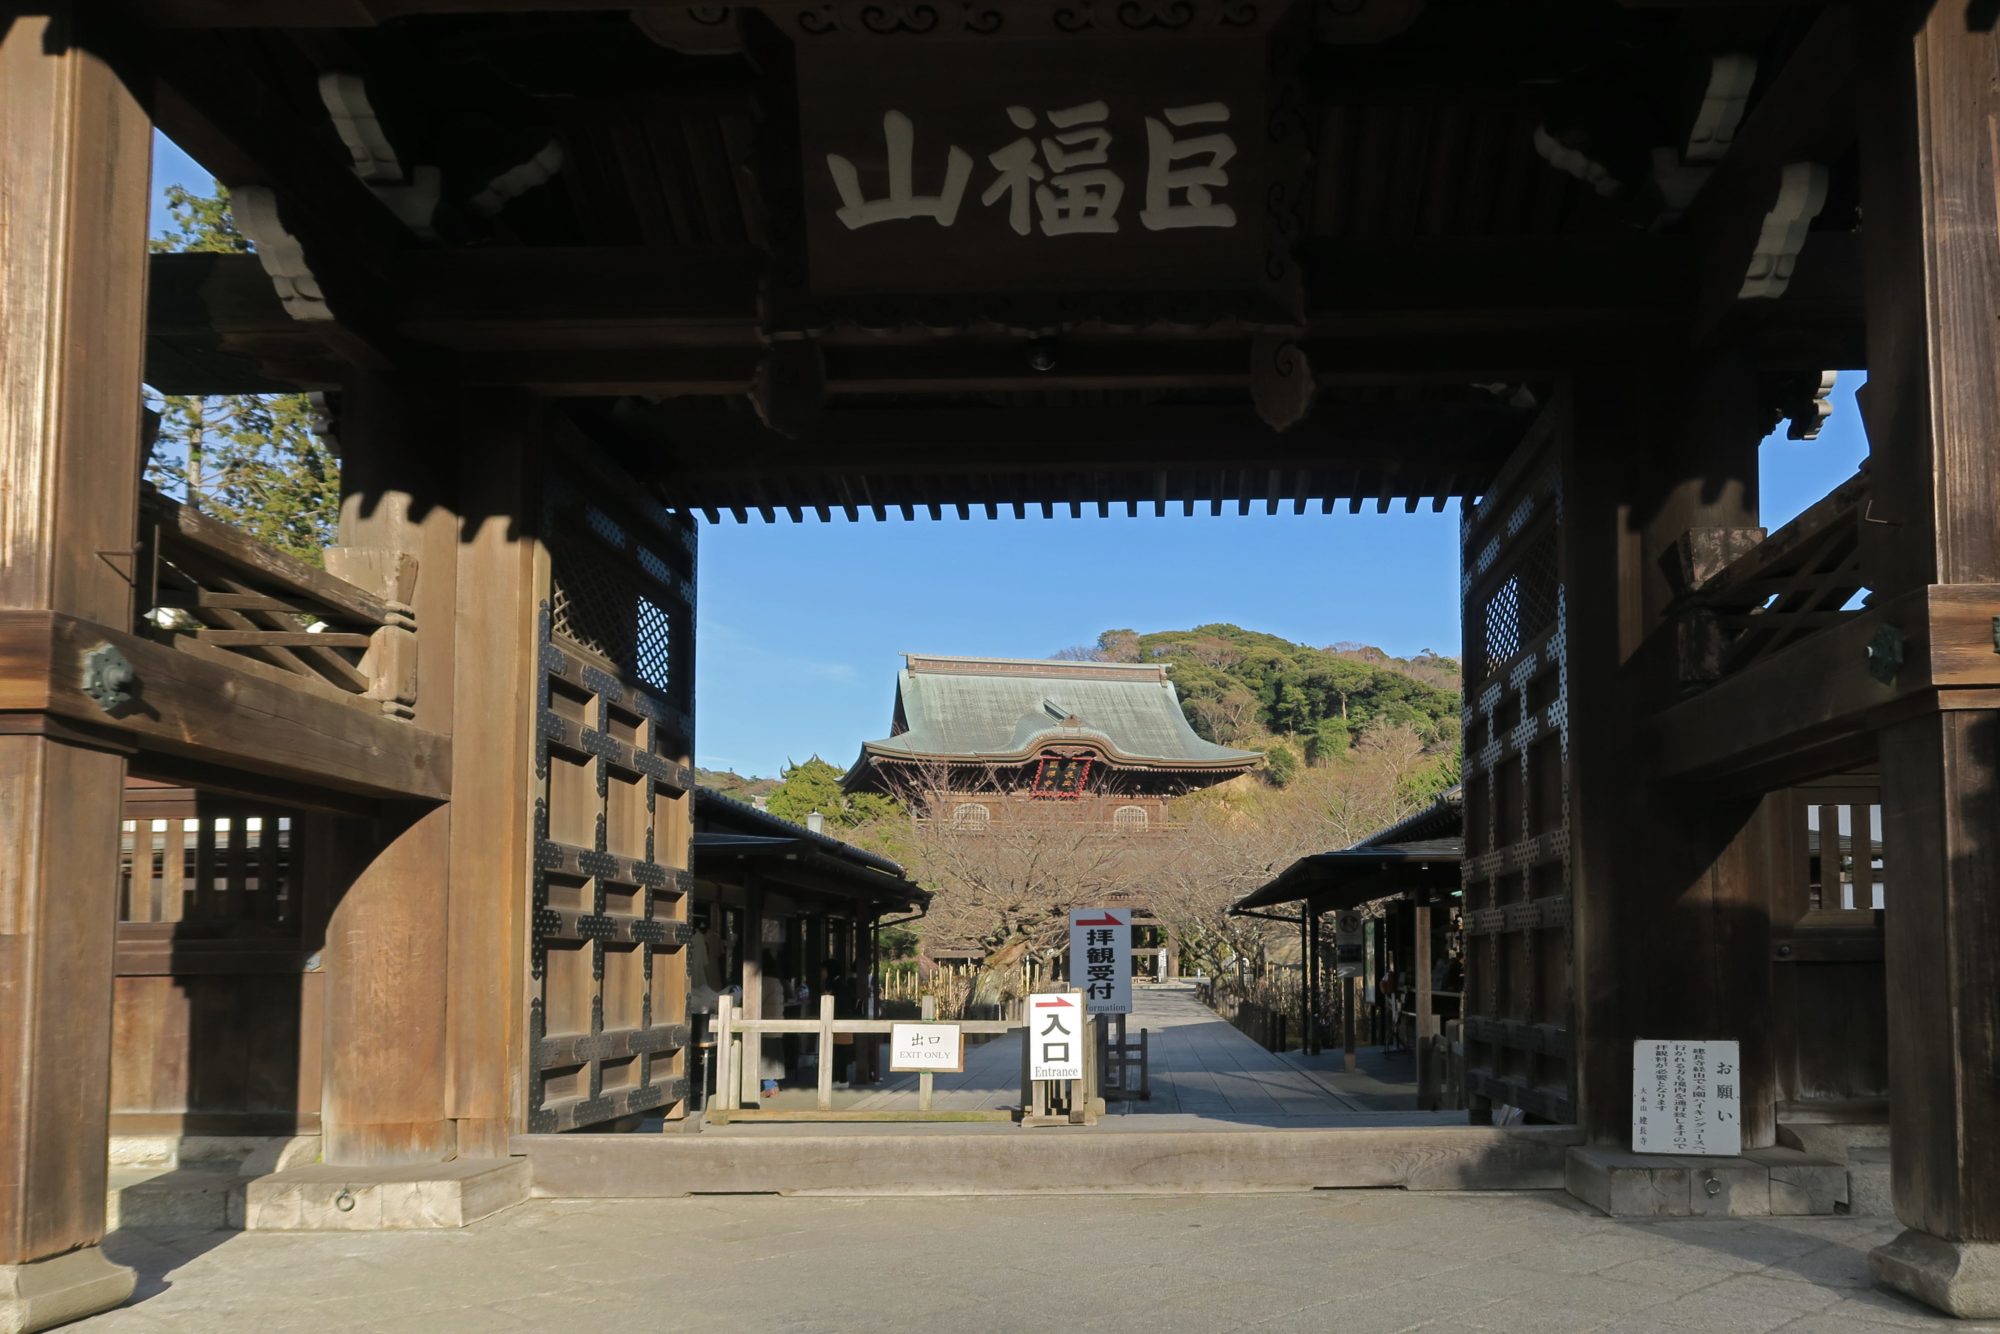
column 1238, row 686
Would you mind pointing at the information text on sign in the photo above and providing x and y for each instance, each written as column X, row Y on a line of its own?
column 1100, row 957
column 1686, row 1098
column 938, row 1048
column 1056, row 1035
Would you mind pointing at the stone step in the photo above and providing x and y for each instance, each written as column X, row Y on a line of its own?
column 1759, row 1183
column 185, row 1199
column 1868, row 1183
column 317, row 1197
column 1833, row 1139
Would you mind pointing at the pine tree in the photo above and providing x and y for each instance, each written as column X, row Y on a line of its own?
column 250, row 460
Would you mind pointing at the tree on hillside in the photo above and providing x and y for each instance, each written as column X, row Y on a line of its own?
column 250, row 460
column 815, row 786
column 1237, row 839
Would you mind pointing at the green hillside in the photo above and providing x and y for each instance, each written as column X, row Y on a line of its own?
column 1240, row 687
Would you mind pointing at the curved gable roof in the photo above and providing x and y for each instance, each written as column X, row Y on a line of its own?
column 997, row 709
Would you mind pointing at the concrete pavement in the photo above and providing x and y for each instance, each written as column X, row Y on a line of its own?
column 1356, row 1262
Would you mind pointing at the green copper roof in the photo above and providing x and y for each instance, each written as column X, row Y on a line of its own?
column 1007, row 708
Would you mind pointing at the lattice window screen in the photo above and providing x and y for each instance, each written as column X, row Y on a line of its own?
column 607, row 1013
column 1518, row 1002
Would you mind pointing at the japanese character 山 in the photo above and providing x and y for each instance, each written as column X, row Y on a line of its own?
column 902, row 201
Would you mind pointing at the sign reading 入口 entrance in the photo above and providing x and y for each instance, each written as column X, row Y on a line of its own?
column 915, row 1048
column 1686, row 1099
column 1100, row 957
column 1056, row 1035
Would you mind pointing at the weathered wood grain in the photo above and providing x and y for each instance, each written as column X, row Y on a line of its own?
column 201, row 709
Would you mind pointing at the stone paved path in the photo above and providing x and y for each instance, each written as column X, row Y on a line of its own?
column 1343, row 1262
column 1205, row 1074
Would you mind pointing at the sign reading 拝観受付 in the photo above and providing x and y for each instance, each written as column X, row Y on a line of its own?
column 1100, row 957
column 1056, row 1035
column 1349, row 942
column 1685, row 1098
column 1058, row 168
column 938, row 1048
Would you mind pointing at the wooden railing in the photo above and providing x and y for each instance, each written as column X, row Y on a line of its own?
column 207, row 588
column 1745, row 595
column 736, row 1063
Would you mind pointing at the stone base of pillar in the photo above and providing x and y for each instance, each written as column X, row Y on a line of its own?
column 1960, row 1278
column 47, row 1293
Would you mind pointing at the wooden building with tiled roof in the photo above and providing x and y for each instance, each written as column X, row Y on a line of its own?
column 985, row 739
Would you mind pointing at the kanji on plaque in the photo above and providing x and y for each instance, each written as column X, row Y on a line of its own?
column 1046, row 177
column 939, row 1048
column 1100, row 957
column 1065, row 174
column 1686, row 1098
column 1056, row 1034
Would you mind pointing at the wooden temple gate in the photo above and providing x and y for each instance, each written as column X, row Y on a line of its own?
column 790, row 258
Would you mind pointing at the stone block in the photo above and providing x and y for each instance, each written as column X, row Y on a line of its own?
column 1868, row 1184
column 1728, row 1188
column 177, row 1198
column 324, row 1197
column 1960, row 1278
column 1628, row 1185
column 52, row 1292
column 1833, row 1139
column 1756, row 1184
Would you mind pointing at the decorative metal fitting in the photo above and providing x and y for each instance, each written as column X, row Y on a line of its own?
column 1042, row 354
column 109, row 679
column 1712, row 1186
column 1885, row 654
column 344, row 1201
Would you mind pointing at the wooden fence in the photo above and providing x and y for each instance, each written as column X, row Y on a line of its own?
column 735, row 1074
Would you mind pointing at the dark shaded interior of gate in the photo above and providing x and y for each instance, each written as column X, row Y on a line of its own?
column 571, row 279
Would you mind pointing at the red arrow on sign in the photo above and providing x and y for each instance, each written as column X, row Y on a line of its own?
column 1107, row 920
column 1057, row 1004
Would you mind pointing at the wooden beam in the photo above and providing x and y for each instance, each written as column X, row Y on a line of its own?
column 198, row 709
column 1820, row 688
column 694, row 445
column 616, row 320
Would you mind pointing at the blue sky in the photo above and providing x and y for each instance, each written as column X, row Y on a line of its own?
column 800, row 627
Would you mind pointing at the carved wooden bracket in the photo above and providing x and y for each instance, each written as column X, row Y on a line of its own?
column 1281, row 380
column 1801, row 195
column 255, row 209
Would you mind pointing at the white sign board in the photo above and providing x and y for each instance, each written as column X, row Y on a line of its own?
column 1056, row 1034
column 1349, row 943
column 1100, row 957
column 937, row 1048
column 1686, row 1098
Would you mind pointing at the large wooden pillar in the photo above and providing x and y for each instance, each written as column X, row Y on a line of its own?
column 74, row 149
column 501, row 570
column 1931, row 165
column 1670, row 907
column 386, row 936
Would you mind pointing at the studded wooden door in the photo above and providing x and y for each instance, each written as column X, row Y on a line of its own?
column 607, row 1018
column 1518, row 1004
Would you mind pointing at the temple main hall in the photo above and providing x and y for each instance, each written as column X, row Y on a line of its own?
column 981, row 741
